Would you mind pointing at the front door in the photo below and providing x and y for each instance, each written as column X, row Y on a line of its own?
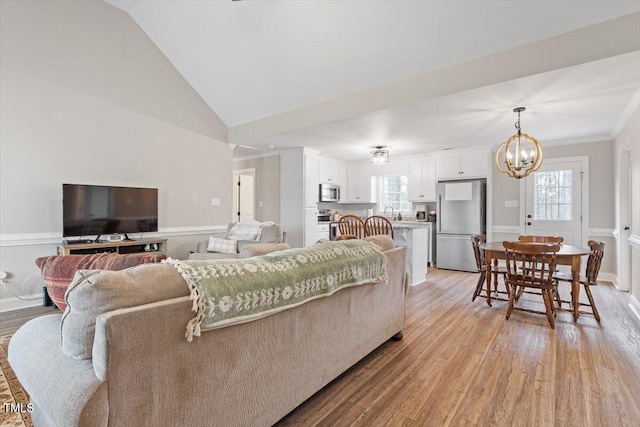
column 553, row 201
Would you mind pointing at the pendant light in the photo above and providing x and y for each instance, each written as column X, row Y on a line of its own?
column 521, row 154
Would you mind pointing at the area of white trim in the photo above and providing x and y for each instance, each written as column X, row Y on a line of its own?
column 13, row 303
column 602, row 232
column 608, row 277
column 626, row 114
column 507, row 229
column 31, row 239
column 634, row 241
column 634, row 305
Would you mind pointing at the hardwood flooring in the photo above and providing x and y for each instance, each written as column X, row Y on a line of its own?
column 462, row 364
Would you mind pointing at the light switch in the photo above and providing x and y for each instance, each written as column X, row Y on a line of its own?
column 215, row 202
column 260, row 204
column 510, row 203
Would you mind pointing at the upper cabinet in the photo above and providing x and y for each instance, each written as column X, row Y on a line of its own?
column 328, row 171
column 462, row 165
column 359, row 183
column 422, row 180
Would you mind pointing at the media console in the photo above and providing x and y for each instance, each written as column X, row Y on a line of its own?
column 120, row 247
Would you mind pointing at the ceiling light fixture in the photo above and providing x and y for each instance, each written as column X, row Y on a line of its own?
column 521, row 154
column 380, row 155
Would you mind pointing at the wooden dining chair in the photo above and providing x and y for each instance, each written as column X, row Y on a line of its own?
column 351, row 224
column 377, row 225
column 588, row 280
column 531, row 265
column 481, row 265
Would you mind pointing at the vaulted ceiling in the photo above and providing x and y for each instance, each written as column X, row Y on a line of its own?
column 342, row 76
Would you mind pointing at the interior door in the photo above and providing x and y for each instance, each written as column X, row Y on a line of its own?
column 244, row 195
column 553, row 201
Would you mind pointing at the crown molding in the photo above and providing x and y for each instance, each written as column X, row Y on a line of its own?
column 626, row 114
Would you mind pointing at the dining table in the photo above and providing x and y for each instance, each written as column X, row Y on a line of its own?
column 567, row 255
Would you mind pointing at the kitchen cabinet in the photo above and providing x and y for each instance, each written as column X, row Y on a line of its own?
column 422, row 180
column 311, row 188
column 359, row 183
column 328, row 171
column 416, row 239
column 462, row 165
column 344, row 185
column 322, row 231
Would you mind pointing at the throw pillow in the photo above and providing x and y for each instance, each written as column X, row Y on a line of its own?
column 226, row 246
column 94, row 292
column 58, row 270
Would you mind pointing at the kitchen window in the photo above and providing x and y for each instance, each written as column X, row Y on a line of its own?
column 393, row 191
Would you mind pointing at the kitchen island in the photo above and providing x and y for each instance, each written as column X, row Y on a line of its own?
column 416, row 237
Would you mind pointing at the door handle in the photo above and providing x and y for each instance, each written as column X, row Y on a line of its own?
column 529, row 216
column 626, row 228
column 529, row 223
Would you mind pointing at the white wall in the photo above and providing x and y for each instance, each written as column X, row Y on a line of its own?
column 86, row 97
column 630, row 134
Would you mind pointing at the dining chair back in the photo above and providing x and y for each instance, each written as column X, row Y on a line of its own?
column 353, row 225
column 589, row 279
column 377, row 225
column 540, row 239
column 531, row 265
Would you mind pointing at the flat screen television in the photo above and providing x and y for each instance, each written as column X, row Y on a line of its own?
column 94, row 210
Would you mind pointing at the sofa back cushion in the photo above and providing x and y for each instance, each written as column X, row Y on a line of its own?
column 58, row 270
column 93, row 292
column 384, row 241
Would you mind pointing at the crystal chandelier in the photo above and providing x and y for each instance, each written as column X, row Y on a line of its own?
column 521, row 154
column 380, row 155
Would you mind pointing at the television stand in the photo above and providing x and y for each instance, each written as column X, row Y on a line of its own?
column 119, row 247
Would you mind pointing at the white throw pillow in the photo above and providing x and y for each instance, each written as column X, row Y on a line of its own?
column 225, row 246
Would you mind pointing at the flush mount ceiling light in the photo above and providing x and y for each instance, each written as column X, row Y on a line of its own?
column 380, row 155
column 521, row 154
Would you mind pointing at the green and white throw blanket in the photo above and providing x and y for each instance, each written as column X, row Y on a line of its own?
column 228, row 292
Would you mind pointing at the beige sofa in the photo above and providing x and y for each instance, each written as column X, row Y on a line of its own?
column 270, row 234
column 143, row 372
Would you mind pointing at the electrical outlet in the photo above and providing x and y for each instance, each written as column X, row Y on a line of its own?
column 215, row 202
column 3, row 277
column 260, row 204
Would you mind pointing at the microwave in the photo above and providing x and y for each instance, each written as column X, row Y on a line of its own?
column 329, row 193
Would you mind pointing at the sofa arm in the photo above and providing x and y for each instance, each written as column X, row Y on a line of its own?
column 61, row 388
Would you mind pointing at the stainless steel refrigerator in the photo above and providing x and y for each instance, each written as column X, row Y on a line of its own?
column 461, row 214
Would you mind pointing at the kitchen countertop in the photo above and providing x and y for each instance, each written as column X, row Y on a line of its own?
column 410, row 224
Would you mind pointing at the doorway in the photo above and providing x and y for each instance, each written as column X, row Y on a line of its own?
column 624, row 217
column 243, row 195
column 556, row 200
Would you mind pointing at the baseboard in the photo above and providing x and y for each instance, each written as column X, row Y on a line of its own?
column 634, row 305
column 13, row 303
column 608, row 277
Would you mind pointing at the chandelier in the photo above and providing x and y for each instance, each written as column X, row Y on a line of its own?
column 380, row 155
column 521, row 154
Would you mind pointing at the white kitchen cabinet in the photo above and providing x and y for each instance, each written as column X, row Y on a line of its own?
column 328, row 171
column 422, row 180
column 310, row 227
column 359, row 183
column 322, row 231
column 416, row 241
column 462, row 165
column 311, row 189
column 344, row 185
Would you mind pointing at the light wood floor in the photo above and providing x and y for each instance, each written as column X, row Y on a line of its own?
column 461, row 364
